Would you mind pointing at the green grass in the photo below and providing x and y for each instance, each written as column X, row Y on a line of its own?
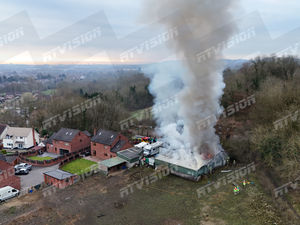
column 78, row 166
column 49, row 92
column 176, row 199
column 40, row 158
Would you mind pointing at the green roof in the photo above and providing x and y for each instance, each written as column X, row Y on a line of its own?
column 112, row 162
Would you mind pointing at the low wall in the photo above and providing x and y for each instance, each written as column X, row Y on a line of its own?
column 23, row 157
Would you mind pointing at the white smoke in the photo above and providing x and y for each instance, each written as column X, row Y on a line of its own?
column 197, row 85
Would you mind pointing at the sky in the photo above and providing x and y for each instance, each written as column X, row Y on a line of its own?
column 55, row 31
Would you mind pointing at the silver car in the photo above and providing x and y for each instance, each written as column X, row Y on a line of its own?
column 23, row 166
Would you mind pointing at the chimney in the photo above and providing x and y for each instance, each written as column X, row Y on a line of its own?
column 95, row 131
column 33, row 136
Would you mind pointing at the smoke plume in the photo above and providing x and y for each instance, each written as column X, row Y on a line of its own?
column 196, row 82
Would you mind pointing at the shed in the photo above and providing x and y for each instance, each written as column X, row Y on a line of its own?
column 131, row 155
column 59, row 178
column 112, row 164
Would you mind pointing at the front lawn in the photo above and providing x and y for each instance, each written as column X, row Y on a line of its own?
column 38, row 158
column 78, row 166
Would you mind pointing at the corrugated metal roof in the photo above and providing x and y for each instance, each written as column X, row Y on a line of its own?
column 130, row 153
column 112, row 162
column 59, row 174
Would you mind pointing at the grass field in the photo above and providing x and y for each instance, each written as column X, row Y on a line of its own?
column 78, row 166
column 49, row 92
column 40, row 158
column 168, row 201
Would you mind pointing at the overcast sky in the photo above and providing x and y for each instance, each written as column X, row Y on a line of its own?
column 54, row 20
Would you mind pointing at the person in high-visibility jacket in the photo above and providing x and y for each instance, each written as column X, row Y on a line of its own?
column 244, row 183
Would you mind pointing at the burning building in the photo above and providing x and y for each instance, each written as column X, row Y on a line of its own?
column 195, row 82
column 191, row 171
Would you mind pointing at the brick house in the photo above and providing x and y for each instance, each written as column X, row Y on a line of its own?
column 7, row 175
column 67, row 141
column 59, row 178
column 105, row 144
column 49, row 143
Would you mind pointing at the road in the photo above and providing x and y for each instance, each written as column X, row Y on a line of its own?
column 35, row 176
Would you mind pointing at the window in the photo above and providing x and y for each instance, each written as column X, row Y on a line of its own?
column 21, row 137
column 80, row 140
column 94, row 144
column 105, row 154
column 94, row 152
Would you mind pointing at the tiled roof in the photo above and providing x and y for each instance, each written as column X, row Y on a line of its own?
column 65, row 134
column 105, row 137
column 19, row 131
column 50, row 139
column 87, row 133
column 118, row 146
column 2, row 128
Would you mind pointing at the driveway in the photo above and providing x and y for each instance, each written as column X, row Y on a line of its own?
column 35, row 176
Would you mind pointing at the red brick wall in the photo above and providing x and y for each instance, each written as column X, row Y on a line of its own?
column 79, row 142
column 7, row 176
column 50, row 148
column 103, row 152
column 58, row 183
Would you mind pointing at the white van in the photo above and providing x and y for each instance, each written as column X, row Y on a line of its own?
column 8, row 192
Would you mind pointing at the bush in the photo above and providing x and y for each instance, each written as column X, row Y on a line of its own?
column 3, row 151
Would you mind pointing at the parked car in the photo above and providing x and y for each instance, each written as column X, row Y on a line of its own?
column 23, row 166
column 8, row 192
column 21, row 171
column 87, row 153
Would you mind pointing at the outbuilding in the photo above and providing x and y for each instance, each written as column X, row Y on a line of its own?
column 112, row 164
column 59, row 178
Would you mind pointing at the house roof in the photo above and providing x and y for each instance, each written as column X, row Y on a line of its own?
column 2, row 128
column 87, row 133
column 19, row 131
column 106, row 137
column 118, row 146
column 112, row 162
column 2, row 157
column 10, row 158
column 65, row 134
column 59, row 174
column 50, row 139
